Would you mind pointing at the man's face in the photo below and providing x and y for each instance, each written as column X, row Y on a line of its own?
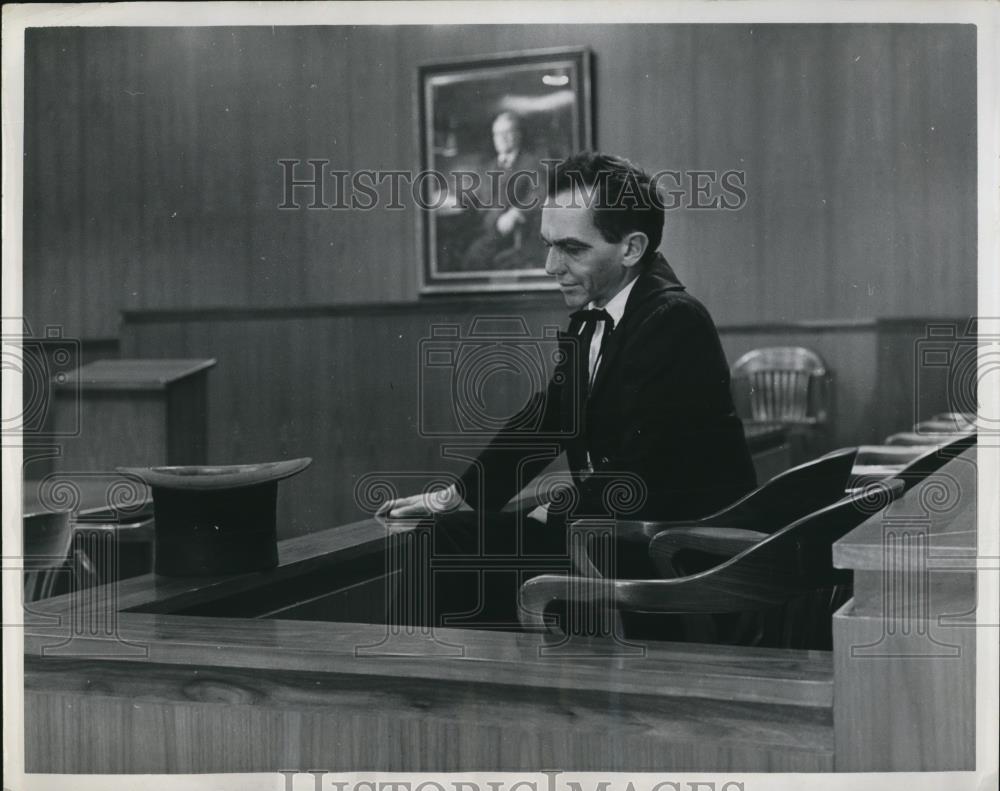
column 506, row 135
column 588, row 268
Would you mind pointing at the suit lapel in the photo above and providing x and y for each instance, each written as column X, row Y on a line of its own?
column 659, row 276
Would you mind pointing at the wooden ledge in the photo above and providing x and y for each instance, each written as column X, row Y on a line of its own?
column 149, row 630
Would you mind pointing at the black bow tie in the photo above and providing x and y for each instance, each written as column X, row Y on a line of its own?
column 593, row 315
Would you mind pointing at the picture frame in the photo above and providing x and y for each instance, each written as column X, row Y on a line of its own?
column 489, row 130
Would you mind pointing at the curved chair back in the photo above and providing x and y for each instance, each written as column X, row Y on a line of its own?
column 46, row 542
column 783, row 384
column 788, row 496
column 794, row 560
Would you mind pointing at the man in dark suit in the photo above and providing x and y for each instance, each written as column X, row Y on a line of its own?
column 640, row 398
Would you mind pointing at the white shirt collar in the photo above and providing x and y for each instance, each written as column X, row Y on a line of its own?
column 616, row 305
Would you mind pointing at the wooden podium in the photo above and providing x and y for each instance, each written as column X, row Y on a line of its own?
column 112, row 413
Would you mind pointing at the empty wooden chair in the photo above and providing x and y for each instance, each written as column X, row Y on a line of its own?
column 774, row 570
column 782, row 384
column 783, row 499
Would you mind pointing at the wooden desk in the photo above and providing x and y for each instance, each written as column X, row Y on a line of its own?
column 131, row 681
column 136, row 413
column 275, row 670
column 904, row 647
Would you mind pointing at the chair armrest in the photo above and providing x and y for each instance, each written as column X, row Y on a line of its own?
column 538, row 593
column 576, row 539
column 593, row 590
column 627, row 531
column 722, row 542
column 590, row 598
column 637, row 531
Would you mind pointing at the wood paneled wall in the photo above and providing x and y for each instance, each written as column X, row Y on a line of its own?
column 343, row 387
column 346, row 387
column 151, row 175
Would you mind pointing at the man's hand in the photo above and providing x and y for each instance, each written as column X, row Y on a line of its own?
column 438, row 501
column 508, row 221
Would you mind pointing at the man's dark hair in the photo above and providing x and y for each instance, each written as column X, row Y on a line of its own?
column 623, row 200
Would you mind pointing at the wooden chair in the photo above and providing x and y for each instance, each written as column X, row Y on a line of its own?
column 46, row 544
column 112, row 545
column 783, row 499
column 749, row 574
column 783, row 384
column 884, row 461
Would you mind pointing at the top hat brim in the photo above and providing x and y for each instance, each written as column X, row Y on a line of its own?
column 212, row 477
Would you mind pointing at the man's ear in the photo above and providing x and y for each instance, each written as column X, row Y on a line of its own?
column 636, row 244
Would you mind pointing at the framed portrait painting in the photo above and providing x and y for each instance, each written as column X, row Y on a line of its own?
column 490, row 129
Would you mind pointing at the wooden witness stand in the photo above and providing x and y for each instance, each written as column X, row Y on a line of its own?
column 278, row 670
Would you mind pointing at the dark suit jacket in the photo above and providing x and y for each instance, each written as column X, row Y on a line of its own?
column 660, row 408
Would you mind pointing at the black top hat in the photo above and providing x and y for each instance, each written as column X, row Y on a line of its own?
column 216, row 520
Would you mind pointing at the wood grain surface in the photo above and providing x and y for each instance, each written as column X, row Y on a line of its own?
column 144, row 607
column 118, row 668
column 905, row 646
column 221, row 719
column 941, row 510
column 131, row 374
column 105, row 680
column 906, row 690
